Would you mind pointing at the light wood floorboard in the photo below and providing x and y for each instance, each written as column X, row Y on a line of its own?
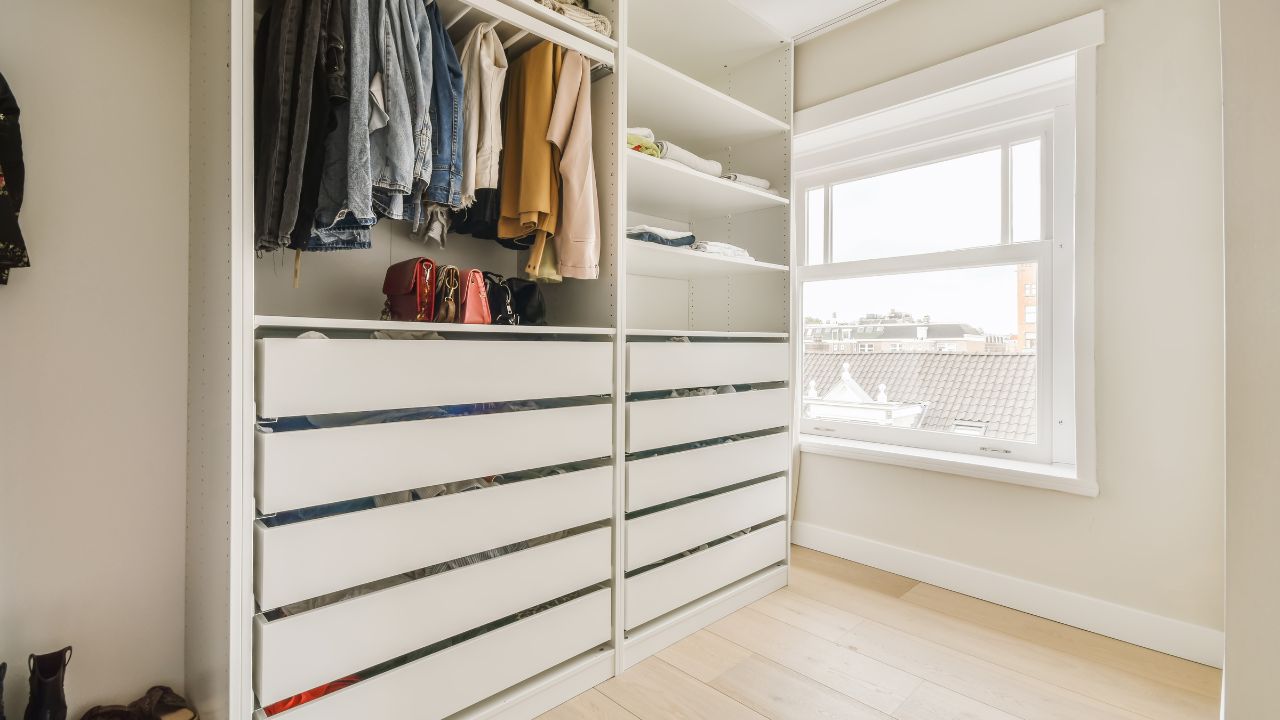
column 850, row 641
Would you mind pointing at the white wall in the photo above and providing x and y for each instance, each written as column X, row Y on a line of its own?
column 1153, row 540
column 93, row 348
column 1251, row 82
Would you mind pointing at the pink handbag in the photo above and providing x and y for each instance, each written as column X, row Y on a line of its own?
column 475, row 299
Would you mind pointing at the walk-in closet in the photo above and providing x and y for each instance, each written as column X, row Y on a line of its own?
column 458, row 519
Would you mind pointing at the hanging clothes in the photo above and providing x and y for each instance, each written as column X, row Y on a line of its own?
column 577, row 240
column 484, row 70
column 289, row 53
column 530, row 199
column 13, row 175
column 446, row 116
column 443, row 192
column 399, row 92
column 344, row 211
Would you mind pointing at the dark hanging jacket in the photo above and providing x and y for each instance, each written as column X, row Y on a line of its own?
column 13, row 175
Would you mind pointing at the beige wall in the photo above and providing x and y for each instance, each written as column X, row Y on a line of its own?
column 1153, row 539
column 1251, row 81
column 93, row 348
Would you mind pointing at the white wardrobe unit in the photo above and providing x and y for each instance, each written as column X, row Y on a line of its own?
column 626, row 468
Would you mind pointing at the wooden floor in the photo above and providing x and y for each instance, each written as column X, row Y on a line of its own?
column 849, row 641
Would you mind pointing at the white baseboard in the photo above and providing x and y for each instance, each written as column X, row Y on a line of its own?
column 1167, row 635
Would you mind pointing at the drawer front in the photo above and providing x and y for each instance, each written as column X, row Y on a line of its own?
column 314, row 467
column 300, row 652
column 666, row 588
column 663, row 534
column 664, row 478
column 312, row 377
column 661, row 423
column 457, row 677
column 670, row 365
column 308, row 559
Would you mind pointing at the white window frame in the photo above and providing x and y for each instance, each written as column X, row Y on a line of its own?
column 991, row 129
column 1071, row 458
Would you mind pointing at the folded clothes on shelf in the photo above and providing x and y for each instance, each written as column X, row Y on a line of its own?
column 670, row 151
column 576, row 10
column 661, row 236
column 719, row 248
column 641, row 144
column 751, row 180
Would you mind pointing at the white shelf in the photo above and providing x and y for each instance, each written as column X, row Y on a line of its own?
column 688, row 112
column 670, row 190
column 280, row 322
column 653, row 260
column 708, row 36
column 521, row 26
column 707, row 334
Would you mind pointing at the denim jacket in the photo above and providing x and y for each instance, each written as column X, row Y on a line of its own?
column 345, row 210
column 446, row 117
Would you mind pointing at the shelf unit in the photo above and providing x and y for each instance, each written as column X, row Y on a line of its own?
column 509, row 655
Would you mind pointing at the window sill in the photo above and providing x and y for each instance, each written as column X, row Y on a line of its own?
column 1059, row 477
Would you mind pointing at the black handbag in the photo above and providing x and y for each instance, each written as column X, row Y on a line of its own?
column 526, row 298
column 502, row 310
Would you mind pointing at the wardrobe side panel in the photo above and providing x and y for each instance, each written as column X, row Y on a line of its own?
column 217, row 606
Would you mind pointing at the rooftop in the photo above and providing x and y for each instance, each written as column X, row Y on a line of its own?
column 995, row 390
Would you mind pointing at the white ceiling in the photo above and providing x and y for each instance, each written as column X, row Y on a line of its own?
column 803, row 19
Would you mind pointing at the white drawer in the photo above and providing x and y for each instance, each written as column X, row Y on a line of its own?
column 312, row 377
column 663, row 478
column 457, row 677
column 661, row 423
column 300, row 652
column 308, row 559
column 313, row 467
column 670, row 365
column 669, row 586
column 663, row 534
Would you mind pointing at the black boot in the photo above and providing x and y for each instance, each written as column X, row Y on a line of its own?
column 3, row 667
column 48, row 698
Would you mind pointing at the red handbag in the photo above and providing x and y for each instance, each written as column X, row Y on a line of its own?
column 410, row 287
column 475, row 299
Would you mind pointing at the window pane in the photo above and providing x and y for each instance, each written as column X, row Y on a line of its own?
column 1024, row 181
column 947, row 205
column 943, row 351
column 815, row 225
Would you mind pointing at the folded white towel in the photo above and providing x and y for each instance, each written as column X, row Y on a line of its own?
column 671, row 151
column 643, row 132
column 719, row 248
column 751, row 180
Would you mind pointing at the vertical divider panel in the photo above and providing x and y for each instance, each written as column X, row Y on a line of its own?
column 621, row 294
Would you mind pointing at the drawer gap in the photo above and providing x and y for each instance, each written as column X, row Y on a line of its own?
column 677, row 393
column 703, row 547
column 702, row 496
column 393, row 663
column 303, row 423
column 272, row 614
column 700, row 444
column 425, row 493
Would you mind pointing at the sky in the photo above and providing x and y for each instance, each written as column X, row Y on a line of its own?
column 948, row 205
